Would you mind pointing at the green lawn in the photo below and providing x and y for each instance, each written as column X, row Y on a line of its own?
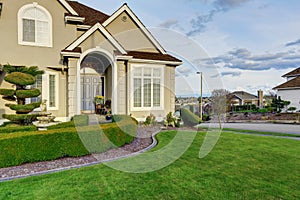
column 239, row 167
column 261, row 133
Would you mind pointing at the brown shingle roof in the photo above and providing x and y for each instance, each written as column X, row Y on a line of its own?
column 243, row 95
column 295, row 72
column 91, row 15
column 152, row 56
column 294, row 83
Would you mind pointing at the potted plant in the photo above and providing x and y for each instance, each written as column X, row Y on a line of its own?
column 98, row 100
column 108, row 115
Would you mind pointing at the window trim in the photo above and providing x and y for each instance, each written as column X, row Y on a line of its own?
column 21, row 12
column 46, row 90
column 132, row 77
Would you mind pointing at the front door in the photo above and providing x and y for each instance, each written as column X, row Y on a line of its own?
column 91, row 86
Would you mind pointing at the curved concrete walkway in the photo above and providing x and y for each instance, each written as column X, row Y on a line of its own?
column 264, row 127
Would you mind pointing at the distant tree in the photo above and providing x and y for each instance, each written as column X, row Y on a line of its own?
column 292, row 109
column 286, row 104
column 220, row 102
column 278, row 104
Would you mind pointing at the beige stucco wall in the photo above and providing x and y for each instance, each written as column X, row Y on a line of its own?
column 97, row 40
column 128, row 34
column 15, row 54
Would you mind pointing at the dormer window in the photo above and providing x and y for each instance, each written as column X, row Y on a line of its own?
column 35, row 26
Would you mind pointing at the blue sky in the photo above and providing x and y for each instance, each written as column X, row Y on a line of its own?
column 237, row 44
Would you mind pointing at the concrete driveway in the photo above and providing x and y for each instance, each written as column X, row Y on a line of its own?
column 281, row 128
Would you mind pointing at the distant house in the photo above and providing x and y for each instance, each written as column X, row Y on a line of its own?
column 239, row 98
column 86, row 53
column 290, row 90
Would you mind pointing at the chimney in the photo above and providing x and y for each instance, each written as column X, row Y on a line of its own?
column 260, row 95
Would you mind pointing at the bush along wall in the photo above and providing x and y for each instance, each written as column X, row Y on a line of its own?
column 189, row 118
column 21, row 77
column 26, row 147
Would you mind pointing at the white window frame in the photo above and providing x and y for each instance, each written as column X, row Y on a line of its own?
column 46, row 90
column 21, row 12
column 147, row 66
column 33, row 87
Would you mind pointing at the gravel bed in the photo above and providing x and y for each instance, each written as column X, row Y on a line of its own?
column 142, row 141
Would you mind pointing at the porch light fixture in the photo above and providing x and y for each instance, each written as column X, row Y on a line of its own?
column 1, row 6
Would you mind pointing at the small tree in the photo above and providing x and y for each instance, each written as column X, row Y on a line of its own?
column 292, row 109
column 220, row 103
column 21, row 77
column 286, row 104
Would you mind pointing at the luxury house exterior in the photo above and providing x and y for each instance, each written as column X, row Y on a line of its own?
column 290, row 90
column 87, row 53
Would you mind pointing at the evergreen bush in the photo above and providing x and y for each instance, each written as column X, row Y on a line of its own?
column 189, row 118
column 21, row 77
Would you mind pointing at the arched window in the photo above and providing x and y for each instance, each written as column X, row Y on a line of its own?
column 35, row 26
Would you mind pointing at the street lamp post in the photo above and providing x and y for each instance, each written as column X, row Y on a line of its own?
column 200, row 102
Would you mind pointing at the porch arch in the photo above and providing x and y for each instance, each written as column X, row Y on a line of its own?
column 95, row 75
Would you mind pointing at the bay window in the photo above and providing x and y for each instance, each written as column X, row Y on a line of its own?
column 147, row 87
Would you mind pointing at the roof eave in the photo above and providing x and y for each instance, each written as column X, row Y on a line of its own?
column 74, row 19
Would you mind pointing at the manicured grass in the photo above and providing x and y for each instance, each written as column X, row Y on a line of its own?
column 239, row 167
column 261, row 132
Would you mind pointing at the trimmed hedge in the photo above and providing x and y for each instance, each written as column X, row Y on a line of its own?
column 22, row 148
column 189, row 118
column 80, row 120
column 26, row 147
column 120, row 118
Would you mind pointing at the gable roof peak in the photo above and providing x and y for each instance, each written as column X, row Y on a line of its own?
column 141, row 26
column 94, row 28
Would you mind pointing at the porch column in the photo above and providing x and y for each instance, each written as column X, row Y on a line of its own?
column 73, row 88
column 121, row 88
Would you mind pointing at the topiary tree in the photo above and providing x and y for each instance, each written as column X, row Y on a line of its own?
column 21, row 77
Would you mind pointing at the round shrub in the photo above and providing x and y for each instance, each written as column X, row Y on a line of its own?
column 19, row 78
column 28, row 93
